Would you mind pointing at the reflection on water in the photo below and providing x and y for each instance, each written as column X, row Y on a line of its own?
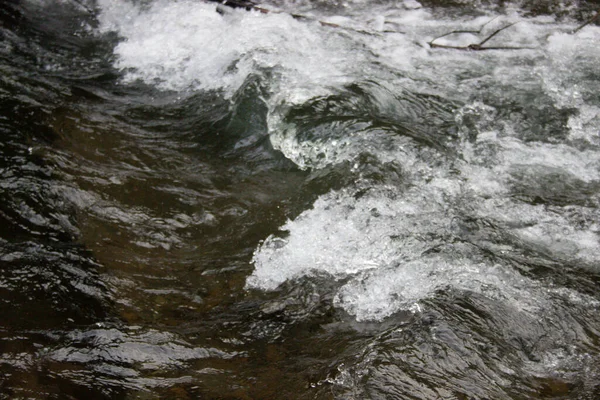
column 242, row 205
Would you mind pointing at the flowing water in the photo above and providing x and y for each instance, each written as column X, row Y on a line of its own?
column 199, row 202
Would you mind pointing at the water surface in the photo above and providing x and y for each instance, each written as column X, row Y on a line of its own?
column 247, row 205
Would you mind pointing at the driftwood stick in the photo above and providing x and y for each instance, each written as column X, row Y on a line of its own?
column 586, row 23
column 249, row 5
column 476, row 46
column 495, row 33
column 322, row 23
column 460, row 31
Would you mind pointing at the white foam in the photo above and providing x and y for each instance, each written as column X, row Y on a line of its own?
column 382, row 243
column 379, row 240
column 342, row 236
column 385, row 291
column 183, row 45
column 376, row 241
column 571, row 78
column 585, row 125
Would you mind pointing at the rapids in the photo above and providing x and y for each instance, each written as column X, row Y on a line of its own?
column 312, row 202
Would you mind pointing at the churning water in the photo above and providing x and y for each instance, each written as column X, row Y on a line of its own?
column 330, row 200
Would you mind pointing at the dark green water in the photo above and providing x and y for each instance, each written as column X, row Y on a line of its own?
column 197, row 205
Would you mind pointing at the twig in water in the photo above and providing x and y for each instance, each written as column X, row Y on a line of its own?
column 463, row 31
column 586, row 23
column 495, row 33
column 476, row 46
column 249, row 5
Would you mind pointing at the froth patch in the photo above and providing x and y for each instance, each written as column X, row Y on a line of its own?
column 390, row 251
column 383, row 292
column 393, row 247
column 342, row 236
column 182, row 45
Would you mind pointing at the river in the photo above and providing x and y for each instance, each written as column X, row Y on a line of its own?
column 330, row 200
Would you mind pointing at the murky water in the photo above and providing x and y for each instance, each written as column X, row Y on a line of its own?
column 245, row 205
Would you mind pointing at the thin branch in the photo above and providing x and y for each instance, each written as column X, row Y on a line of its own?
column 462, row 31
column 322, row 23
column 249, row 5
column 586, row 23
column 476, row 46
column 495, row 33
